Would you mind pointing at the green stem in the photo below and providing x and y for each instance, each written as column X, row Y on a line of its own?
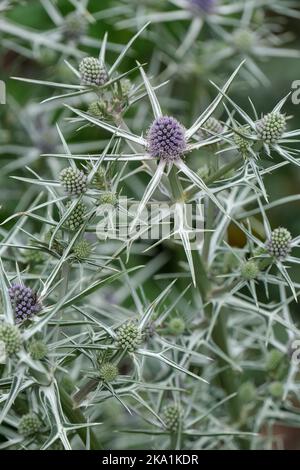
column 219, row 334
column 65, row 273
column 75, row 415
column 226, row 376
column 216, row 176
column 84, row 391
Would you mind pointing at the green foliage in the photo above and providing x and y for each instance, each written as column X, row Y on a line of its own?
column 179, row 339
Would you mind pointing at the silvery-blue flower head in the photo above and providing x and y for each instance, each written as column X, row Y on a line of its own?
column 24, row 302
column 166, row 139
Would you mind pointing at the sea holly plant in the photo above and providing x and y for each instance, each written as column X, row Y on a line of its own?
column 130, row 317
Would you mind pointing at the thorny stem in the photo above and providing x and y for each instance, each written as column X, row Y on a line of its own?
column 226, row 375
column 215, row 176
column 93, row 383
column 203, row 284
column 75, row 415
column 84, row 391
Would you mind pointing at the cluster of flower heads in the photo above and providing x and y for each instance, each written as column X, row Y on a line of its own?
column 166, row 138
column 24, row 301
column 92, row 72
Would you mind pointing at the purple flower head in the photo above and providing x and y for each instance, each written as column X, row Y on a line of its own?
column 166, row 138
column 24, row 302
column 204, row 6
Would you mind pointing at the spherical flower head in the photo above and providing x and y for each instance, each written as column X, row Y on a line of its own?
column 37, row 349
column 279, row 244
column 243, row 144
column 276, row 389
column 108, row 372
column 126, row 86
column 166, row 139
column 177, row 326
column 76, row 218
column 99, row 179
column 96, row 109
column 271, row 127
column 210, row 128
column 73, row 181
column 109, row 198
column 273, row 360
column 172, row 416
column 11, row 337
column 249, row 270
column 244, row 39
column 247, row 392
column 92, row 72
column 129, row 337
column 74, row 27
column 82, row 249
column 34, row 257
column 203, row 6
column 29, row 425
column 24, row 302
